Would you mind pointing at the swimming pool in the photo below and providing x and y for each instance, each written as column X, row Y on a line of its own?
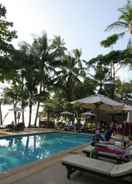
column 20, row 150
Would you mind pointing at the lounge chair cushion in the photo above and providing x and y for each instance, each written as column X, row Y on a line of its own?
column 121, row 169
column 90, row 149
column 89, row 164
column 110, row 155
column 111, row 151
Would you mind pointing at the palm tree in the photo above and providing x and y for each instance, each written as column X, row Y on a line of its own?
column 31, row 85
column 59, row 45
column 48, row 57
column 23, row 96
column 28, row 76
column 124, row 21
column 43, row 57
column 69, row 75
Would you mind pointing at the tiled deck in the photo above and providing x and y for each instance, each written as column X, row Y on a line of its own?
column 56, row 174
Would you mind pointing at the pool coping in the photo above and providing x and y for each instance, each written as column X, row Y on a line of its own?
column 26, row 133
column 41, row 132
column 26, row 170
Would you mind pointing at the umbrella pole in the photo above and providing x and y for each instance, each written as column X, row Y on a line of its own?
column 123, row 128
column 97, row 116
column 129, row 129
column 97, row 123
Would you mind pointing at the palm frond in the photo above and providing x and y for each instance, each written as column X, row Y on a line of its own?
column 121, row 34
column 117, row 24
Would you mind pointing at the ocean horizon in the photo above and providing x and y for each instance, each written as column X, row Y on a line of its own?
column 8, row 115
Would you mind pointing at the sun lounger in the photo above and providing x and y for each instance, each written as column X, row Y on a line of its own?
column 109, row 151
column 104, row 150
column 102, row 168
column 89, row 150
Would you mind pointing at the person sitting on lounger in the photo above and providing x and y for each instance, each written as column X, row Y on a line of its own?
column 112, row 150
column 97, row 137
column 108, row 134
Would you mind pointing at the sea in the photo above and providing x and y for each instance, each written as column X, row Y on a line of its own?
column 8, row 115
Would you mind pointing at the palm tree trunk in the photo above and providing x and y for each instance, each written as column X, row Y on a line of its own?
column 38, row 105
column 30, row 113
column 97, row 121
column 1, row 119
column 23, row 118
column 48, row 117
column 101, row 87
column 36, row 117
column 15, row 119
column 22, row 103
column 113, row 75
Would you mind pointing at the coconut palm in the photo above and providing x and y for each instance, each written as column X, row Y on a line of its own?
column 69, row 75
column 48, row 56
column 31, row 85
column 44, row 57
column 28, row 75
column 124, row 21
column 58, row 45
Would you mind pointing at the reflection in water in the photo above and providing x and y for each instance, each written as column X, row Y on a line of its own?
column 19, row 150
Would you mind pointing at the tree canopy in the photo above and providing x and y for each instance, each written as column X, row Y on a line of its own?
column 45, row 72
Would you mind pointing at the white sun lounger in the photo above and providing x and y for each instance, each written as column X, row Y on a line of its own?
column 90, row 149
column 81, row 163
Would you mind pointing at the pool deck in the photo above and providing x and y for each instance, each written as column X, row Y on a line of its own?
column 56, row 174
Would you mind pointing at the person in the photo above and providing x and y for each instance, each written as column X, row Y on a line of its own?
column 129, row 143
column 97, row 137
column 108, row 134
column 115, row 128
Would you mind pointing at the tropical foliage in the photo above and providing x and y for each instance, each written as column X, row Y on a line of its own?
column 46, row 74
column 124, row 23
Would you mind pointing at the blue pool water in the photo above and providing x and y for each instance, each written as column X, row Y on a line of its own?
column 19, row 150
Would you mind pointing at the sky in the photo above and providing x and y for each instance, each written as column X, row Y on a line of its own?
column 81, row 23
